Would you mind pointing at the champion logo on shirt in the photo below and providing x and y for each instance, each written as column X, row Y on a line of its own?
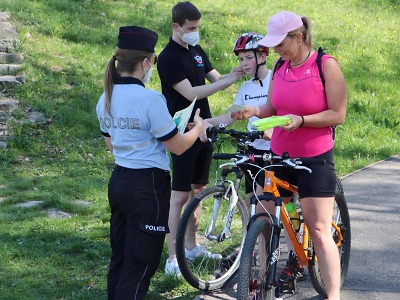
column 249, row 97
column 199, row 60
column 307, row 72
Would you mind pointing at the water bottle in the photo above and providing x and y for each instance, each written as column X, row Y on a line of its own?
column 293, row 215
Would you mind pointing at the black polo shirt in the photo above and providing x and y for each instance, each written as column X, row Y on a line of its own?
column 176, row 63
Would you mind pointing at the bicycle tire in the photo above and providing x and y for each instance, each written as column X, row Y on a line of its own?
column 205, row 273
column 251, row 283
column 342, row 219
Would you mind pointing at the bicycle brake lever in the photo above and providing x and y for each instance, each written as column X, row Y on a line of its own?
column 242, row 160
column 304, row 168
column 296, row 166
column 290, row 163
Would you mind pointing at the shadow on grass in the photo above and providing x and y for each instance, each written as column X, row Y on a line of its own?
column 52, row 264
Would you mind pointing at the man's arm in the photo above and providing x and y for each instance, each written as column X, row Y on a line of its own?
column 190, row 92
column 214, row 76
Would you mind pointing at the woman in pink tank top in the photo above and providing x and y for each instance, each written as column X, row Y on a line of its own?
column 296, row 91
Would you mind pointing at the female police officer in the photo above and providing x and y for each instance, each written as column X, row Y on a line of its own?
column 137, row 128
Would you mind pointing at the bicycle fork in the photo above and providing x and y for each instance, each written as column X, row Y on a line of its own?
column 230, row 192
column 276, row 233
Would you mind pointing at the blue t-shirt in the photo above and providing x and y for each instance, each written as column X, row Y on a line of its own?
column 138, row 123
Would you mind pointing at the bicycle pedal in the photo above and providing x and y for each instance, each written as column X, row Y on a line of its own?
column 287, row 287
column 226, row 263
column 218, row 272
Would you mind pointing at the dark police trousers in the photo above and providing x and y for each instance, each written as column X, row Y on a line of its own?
column 139, row 202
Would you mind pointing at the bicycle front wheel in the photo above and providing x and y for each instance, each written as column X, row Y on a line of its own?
column 219, row 256
column 255, row 262
column 342, row 219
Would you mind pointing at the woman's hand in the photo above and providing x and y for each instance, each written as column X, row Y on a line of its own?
column 297, row 121
column 268, row 134
column 247, row 112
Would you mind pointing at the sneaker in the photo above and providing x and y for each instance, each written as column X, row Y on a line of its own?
column 172, row 268
column 200, row 251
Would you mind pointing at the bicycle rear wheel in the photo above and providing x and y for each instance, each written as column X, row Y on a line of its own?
column 255, row 262
column 342, row 219
column 204, row 272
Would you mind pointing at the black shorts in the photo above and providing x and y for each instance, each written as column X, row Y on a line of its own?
column 192, row 167
column 320, row 183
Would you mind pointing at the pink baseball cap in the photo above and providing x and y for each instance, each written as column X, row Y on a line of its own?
column 279, row 25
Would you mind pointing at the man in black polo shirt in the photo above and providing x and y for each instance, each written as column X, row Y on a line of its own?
column 183, row 67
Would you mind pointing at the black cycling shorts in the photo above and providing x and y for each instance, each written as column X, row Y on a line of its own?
column 320, row 183
column 192, row 167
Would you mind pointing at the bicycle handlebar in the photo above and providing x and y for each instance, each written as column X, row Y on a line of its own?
column 212, row 133
column 223, row 156
column 311, row 161
column 284, row 160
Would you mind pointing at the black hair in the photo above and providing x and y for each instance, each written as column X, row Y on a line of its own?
column 185, row 11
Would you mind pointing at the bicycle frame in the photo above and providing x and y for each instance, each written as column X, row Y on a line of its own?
column 232, row 186
column 300, row 241
column 233, row 199
column 300, row 247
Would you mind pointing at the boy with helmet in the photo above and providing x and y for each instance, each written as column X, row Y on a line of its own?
column 252, row 58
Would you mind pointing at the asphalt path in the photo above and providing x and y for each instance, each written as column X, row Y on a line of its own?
column 373, row 198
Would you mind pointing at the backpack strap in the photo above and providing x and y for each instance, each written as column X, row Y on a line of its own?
column 319, row 58
column 321, row 75
column 321, row 53
column 278, row 64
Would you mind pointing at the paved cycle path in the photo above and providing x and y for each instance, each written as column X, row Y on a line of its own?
column 373, row 198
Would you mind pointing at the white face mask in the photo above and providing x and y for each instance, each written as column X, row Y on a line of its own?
column 191, row 38
column 147, row 75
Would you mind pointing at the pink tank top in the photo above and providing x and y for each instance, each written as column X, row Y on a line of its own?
column 300, row 91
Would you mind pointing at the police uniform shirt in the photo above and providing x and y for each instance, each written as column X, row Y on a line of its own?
column 177, row 63
column 139, row 121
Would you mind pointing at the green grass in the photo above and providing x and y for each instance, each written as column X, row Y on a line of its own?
column 66, row 45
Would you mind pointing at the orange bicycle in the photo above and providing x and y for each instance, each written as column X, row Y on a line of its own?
column 258, row 262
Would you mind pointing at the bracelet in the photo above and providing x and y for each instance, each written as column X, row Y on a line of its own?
column 302, row 121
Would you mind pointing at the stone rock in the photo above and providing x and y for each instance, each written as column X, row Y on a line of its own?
column 82, row 203
column 10, row 81
column 8, row 69
column 11, row 58
column 58, row 214
column 8, row 105
column 4, row 16
column 9, row 45
column 36, row 117
column 29, row 204
column 7, row 31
